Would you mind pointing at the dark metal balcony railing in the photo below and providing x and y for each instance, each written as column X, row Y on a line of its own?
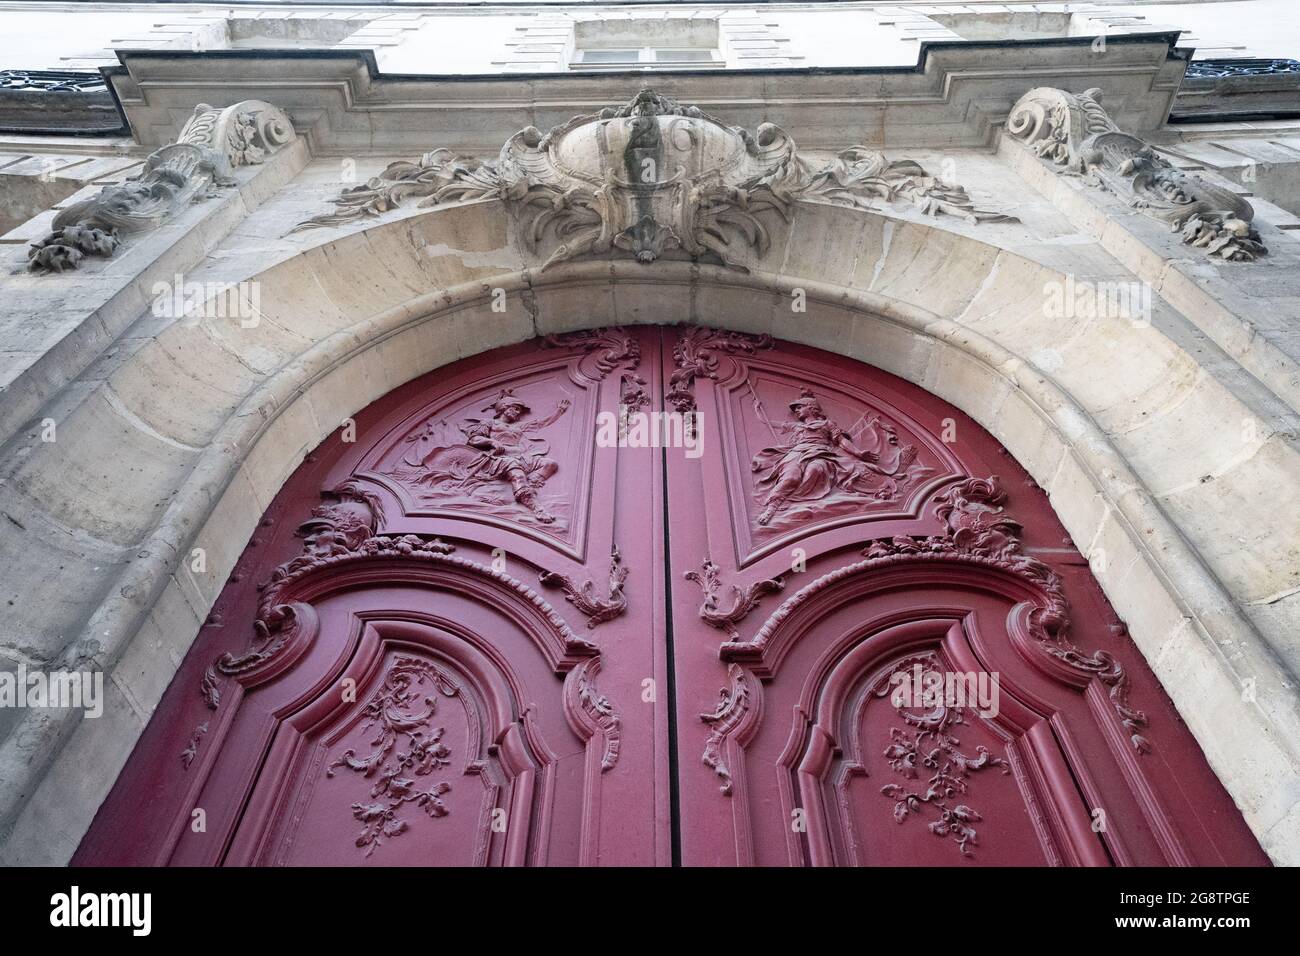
column 52, row 81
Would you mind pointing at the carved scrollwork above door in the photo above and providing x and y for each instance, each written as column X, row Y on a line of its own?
column 653, row 177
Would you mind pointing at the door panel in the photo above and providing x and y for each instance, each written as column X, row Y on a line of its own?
column 857, row 529
column 447, row 661
column 501, row 619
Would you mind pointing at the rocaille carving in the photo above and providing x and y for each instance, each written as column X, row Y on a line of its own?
column 583, row 698
column 733, row 705
column 818, row 461
column 743, row 599
column 212, row 143
column 396, row 712
column 341, row 531
column 503, row 450
column 652, row 176
column 929, row 744
column 613, row 347
column 583, row 597
column 978, row 533
column 696, row 354
column 1073, row 131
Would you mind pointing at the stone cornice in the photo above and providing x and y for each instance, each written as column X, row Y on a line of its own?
column 954, row 96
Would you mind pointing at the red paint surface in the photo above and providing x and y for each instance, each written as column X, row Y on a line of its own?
column 552, row 743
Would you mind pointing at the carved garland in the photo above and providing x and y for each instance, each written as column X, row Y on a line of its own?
column 979, row 533
column 930, row 743
column 391, row 708
column 211, row 144
column 1073, row 131
column 652, row 176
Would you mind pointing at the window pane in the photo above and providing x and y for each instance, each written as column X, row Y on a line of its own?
column 610, row 56
column 684, row 56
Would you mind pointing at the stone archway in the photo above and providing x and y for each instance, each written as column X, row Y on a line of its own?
column 351, row 318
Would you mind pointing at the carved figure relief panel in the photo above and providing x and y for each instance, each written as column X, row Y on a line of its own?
column 476, row 623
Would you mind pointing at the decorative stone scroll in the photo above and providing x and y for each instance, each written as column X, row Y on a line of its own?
column 653, row 176
column 1073, row 131
column 210, row 146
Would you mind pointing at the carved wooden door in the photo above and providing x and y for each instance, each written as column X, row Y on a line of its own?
column 650, row 595
column 887, row 650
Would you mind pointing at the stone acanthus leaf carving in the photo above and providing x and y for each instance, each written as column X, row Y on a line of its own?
column 396, row 712
column 1073, row 131
column 818, row 464
column 743, row 599
column 929, row 743
column 649, row 177
column 979, row 533
column 342, row 530
column 210, row 146
column 502, row 450
column 613, row 347
column 696, row 354
column 582, row 696
column 583, row 597
column 733, row 705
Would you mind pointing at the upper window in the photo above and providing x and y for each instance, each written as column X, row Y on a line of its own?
column 646, row 43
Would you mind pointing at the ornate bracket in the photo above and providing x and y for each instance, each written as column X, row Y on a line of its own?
column 1073, row 131
column 744, row 599
column 584, row 598
column 211, row 144
column 652, row 176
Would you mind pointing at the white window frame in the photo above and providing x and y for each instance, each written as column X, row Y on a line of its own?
column 645, row 59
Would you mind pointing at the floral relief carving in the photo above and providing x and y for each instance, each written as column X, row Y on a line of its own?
column 818, row 461
column 743, row 599
column 929, row 745
column 653, row 176
column 598, row 610
column 211, row 144
column 1073, row 131
column 495, row 455
column 981, row 534
column 396, row 713
column 733, row 704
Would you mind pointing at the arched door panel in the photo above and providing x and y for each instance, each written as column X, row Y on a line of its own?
column 628, row 596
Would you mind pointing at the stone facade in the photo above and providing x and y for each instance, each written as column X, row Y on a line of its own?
column 285, row 237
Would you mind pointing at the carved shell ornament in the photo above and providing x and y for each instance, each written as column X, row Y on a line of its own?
column 650, row 177
column 1073, row 131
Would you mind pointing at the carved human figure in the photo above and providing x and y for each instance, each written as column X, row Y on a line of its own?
column 500, row 449
column 821, row 459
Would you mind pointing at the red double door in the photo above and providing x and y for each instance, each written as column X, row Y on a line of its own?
column 653, row 595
